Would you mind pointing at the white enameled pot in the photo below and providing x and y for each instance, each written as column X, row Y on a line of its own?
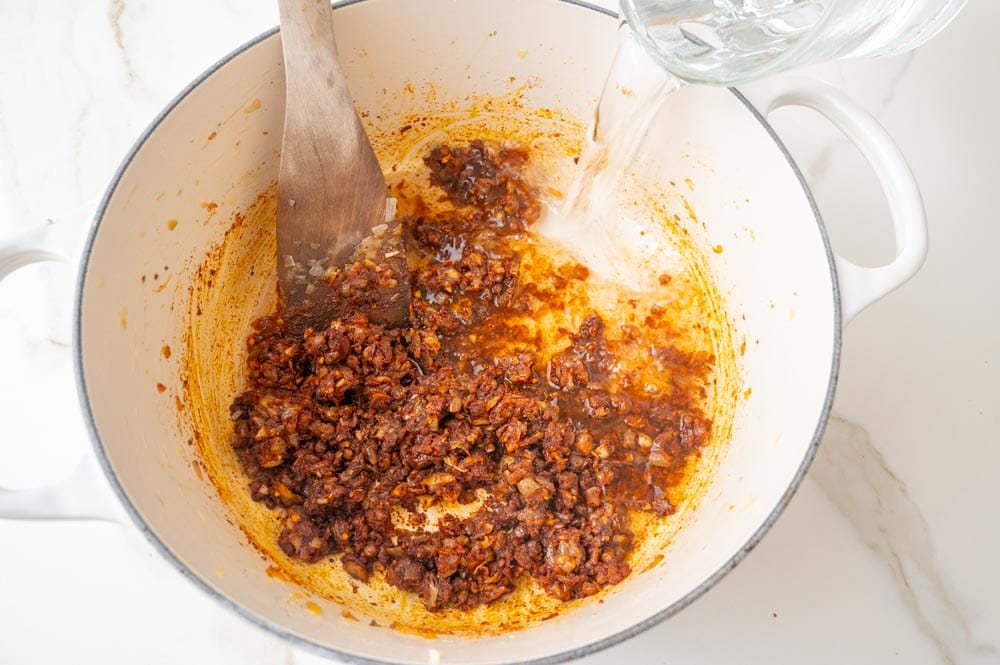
column 215, row 148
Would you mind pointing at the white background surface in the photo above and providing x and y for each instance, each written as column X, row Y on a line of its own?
column 887, row 554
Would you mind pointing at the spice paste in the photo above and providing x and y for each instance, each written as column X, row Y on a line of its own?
column 468, row 449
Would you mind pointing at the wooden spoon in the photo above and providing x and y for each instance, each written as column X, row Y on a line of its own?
column 331, row 191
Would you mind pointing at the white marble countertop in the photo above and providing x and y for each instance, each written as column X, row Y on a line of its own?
column 888, row 553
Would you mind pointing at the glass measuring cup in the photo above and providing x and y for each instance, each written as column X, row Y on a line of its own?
column 727, row 42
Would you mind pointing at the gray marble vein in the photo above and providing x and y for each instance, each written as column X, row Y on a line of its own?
column 854, row 476
column 905, row 62
column 819, row 167
column 115, row 15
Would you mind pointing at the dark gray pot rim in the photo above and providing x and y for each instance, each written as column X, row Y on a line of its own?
column 571, row 654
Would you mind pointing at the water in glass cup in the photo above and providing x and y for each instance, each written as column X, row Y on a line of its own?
column 726, row 42
column 734, row 41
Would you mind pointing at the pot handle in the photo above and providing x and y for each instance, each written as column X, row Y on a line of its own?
column 860, row 286
column 84, row 495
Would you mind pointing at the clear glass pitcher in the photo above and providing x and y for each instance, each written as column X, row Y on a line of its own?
column 734, row 41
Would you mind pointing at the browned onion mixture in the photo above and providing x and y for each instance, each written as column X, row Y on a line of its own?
column 351, row 432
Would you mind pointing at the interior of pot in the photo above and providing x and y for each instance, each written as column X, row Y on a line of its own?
column 197, row 196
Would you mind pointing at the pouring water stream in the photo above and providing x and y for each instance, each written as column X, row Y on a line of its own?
column 634, row 92
column 589, row 219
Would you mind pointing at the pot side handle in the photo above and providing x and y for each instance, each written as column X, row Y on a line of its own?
column 84, row 495
column 860, row 286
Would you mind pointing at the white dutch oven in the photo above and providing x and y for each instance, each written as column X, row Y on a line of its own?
column 788, row 295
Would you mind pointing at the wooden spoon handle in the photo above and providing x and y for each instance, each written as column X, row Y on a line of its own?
column 307, row 36
column 331, row 191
